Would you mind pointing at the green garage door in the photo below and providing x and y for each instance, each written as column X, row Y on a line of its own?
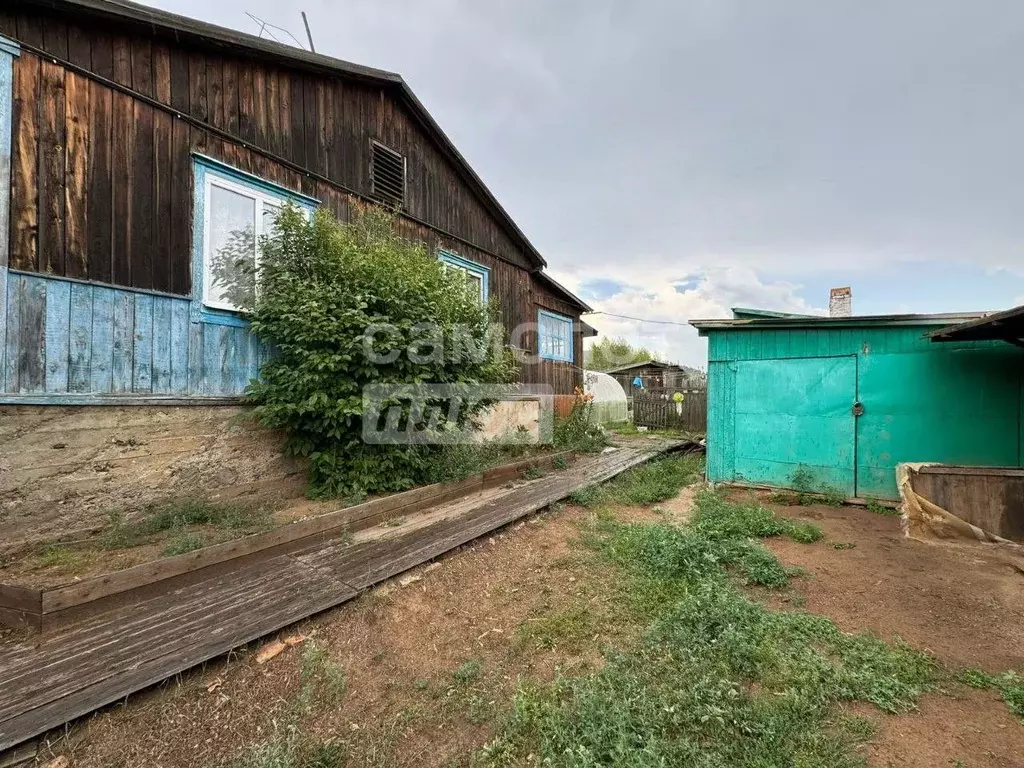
column 793, row 414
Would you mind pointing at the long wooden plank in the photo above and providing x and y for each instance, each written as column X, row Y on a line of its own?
column 236, row 613
column 52, row 122
column 25, row 165
column 76, row 174
column 147, row 672
column 350, row 518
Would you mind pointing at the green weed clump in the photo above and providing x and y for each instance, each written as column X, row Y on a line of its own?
column 876, row 507
column 183, row 543
column 468, row 671
column 718, row 679
column 178, row 515
column 1009, row 684
column 647, row 484
column 577, row 431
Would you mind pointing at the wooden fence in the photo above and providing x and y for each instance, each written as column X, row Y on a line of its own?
column 656, row 408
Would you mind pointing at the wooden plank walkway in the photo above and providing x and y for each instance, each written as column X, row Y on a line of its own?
column 50, row 679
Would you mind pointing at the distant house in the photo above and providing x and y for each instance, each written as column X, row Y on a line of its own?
column 133, row 142
column 654, row 374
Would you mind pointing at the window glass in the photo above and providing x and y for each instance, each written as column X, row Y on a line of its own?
column 475, row 275
column 555, row 335
column 231, row 248
column 235, row 218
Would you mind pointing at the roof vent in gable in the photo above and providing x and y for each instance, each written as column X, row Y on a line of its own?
column 387, row 175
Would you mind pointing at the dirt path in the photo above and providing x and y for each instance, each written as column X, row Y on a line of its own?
column 955, row 601
column 433, row 660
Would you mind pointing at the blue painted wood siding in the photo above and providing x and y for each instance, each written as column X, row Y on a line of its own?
column 8, row 51
column 67, row 340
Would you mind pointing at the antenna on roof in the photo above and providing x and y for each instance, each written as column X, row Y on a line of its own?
column 308, row 33
column 266, row 26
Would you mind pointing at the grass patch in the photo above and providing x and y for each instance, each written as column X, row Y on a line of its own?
column 56, row 556
column 182, row 543
column 567, row 630
column 323, row 683
column 467, row 672
column 179, row 515
column 534, row 473
column 1009, row 684
column 718, row 678
column 876, row 507
column 647, row 484
column 560, row 462
column 322, row 679
column 290, row 748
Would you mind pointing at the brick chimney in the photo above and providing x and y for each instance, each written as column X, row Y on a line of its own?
column 840, row 302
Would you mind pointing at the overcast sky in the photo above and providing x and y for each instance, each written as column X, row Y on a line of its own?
column 674, row 158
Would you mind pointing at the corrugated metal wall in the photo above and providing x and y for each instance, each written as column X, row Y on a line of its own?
column 954, row 403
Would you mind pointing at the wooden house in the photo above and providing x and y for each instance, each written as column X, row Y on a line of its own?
column 130, row 141
column 654, row 374
column 135, row 137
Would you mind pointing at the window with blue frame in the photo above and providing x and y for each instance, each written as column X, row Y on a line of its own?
column 477, row 276
column 233, row 210
column 555, row 336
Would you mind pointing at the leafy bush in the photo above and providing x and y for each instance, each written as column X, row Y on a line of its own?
column 577, row 431
column 350, row 305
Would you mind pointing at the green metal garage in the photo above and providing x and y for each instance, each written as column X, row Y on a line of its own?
column 840, row 401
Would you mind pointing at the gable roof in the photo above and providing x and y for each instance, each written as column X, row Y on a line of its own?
column 647, row 363
column 561, row 290
column 192, row 30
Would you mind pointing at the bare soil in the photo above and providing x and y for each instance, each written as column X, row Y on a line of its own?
column 958, row 601
column 529, row 600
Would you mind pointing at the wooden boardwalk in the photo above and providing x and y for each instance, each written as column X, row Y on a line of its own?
column 50, row 679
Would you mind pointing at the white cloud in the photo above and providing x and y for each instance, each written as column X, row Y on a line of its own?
column 710, row 293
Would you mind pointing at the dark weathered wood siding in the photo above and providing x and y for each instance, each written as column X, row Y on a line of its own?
column 102, row 172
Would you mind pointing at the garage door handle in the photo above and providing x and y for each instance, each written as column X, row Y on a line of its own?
column 858, row 409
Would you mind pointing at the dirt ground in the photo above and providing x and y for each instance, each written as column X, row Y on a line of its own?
column 955, row 601
column 433, row 658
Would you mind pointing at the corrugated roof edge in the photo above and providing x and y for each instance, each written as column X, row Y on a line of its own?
column 816, row 322
column 123, row 9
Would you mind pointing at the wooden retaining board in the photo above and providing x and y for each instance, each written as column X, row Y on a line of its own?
column 51, row 679
column 45, row 609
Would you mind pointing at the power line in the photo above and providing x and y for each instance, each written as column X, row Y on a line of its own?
column 639, row 319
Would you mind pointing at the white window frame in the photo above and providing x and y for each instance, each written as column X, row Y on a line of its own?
column 451, row 260
column 259, row 198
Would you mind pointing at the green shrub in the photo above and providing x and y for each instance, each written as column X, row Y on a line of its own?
column 577, row 431
column 333, row 298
